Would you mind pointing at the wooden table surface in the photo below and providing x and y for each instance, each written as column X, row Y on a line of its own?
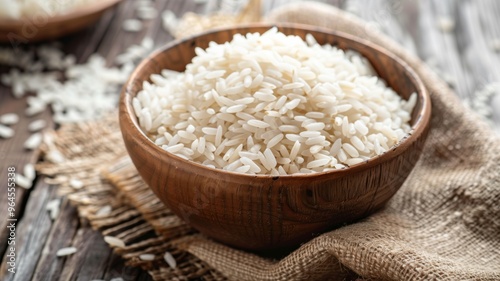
column 466, row 56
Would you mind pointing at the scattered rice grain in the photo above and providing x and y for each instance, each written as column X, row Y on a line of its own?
column 6, row 132
column 66, row 251
column 132, row 25
column 29, row 171
column 170, row 260
column 446, row 24
column 114, row 242
column 147, row 257
column 9, row 119
column 33, row 141
column 147, row 12
column 104, row 211
column 53, row 206
column 495, row 45
column 76, row 183
column 55, row 156
column 23, row 181
column 37, row 125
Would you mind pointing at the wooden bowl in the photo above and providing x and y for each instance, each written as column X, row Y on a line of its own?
column 262, row 212
column 42, row 26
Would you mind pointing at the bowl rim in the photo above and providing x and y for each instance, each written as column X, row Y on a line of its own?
column 85, row 10
column 417, row 129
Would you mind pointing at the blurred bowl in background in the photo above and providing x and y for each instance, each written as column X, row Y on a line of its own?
column 42, row 26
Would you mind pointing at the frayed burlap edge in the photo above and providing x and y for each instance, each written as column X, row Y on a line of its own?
column 113, row 201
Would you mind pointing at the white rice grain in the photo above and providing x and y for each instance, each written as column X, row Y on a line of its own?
column 55, row 156
column 235, row 108
column 289, row 129
column 253, row 167
column 361, row 127
column 170, row 260
column 495, row 45
column 147, row 257
column 23, row 181
column 33, row 141
column 132, row 25
column 317, row 163
column 357, row 143
column 354, row 161
column 37, row 125
column 258, row 124
column 275, row 140
column 446, row 24
column 147, row 12
column 53, row 207
column 316, row 126
column 76, row 183
column 104, row 211
column 270, row 157
column 218, row 136
column 315, row 149
column 35, row 109
column 9, row 119
column 29, row 171
column 66, row 251
column 6, row 132
column 243, row 169
column 175, row 148
column 114, row 242
column 351, row 150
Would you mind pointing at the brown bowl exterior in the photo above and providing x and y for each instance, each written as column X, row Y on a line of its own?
column 41, row 26
column 263, row 212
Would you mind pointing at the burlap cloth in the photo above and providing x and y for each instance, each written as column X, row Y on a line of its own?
column 443, row 224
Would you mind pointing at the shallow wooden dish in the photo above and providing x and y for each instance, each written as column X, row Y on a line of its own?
column 264, row 212
column 41, row 26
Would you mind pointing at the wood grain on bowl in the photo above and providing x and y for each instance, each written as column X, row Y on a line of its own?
column 42, row 26
column 262, row 212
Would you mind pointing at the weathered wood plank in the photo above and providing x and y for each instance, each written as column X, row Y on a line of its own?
column 32, row 231
column 90, row 262
column 95, row 260
column 437, row 44
column 162, row 37
column 85, row 42
column 120, row 39
column 383, row 16
column 61, row 234
column 13, row 154
column 272, row 4
column 478, row 24
column 116, row 39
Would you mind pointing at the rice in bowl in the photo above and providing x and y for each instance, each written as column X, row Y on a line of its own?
column 273, row 104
